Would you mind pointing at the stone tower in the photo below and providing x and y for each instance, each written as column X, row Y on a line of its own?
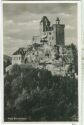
column 53, row 35
column 60, row 40
column 44, row 26
column 58, row 31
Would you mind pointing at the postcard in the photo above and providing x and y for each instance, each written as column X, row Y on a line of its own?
column 40, row 60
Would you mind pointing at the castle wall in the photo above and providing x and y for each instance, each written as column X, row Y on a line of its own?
column 36, row 39
column 16, row 59
column 52, row 38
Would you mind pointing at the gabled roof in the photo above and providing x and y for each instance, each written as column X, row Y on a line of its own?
column 20, row 51
column 23, row 51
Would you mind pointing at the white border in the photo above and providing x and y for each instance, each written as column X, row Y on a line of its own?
column 1, row 63
column 79, row 62
column 40, row 2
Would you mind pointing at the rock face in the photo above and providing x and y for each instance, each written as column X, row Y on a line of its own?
column 48, row 57
column 53, row 58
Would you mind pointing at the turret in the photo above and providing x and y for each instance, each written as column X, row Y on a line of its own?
column 57, row 20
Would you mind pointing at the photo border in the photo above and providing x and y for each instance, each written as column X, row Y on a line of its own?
column 79, row 62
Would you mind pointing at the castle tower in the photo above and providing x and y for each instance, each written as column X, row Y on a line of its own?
column 58, row 32
column 44, row 26
column 57, row 21
column 60, row 40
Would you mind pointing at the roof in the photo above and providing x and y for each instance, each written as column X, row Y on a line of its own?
column 35, row 45
column 20, row 51
column 57, row 19
column 23, row 51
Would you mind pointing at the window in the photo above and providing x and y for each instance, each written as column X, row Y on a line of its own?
column 49, row 33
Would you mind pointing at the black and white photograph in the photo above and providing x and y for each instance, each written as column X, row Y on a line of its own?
column 40, row 58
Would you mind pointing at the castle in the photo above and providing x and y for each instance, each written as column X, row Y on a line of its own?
column 48, row 50
column 51, row 35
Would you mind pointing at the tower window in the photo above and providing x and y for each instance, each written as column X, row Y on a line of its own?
column 49, row 33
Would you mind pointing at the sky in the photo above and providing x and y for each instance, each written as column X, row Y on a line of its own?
column 21, row 22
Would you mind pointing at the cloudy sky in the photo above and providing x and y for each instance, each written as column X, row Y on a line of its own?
column 21, row 22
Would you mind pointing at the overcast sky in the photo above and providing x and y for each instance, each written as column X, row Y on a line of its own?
column 21, row 22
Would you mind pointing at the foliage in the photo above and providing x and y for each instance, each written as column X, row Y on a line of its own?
column 74, row 64
column 7, row 61
column 75, row 55
column 15, row 71
column 36, row 95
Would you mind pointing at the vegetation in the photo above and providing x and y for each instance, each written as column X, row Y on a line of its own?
column 7, row 61
column 75, row 57
column 36, row 95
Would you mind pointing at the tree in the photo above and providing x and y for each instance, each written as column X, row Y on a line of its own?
column 37, row 95
column 15, row 71
column 75, row 56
